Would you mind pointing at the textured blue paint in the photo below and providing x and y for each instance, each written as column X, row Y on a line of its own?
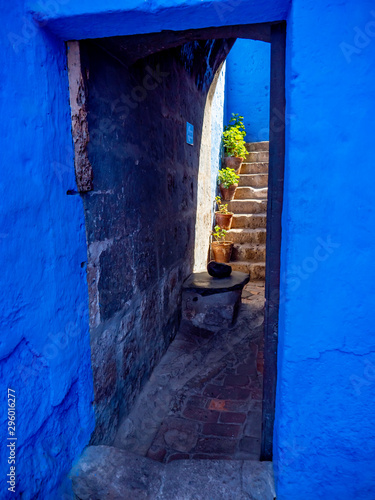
column 248, row 87
column 44, row 345
column 95, row 18
column 325, row 442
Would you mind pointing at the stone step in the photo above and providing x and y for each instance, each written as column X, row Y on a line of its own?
column 249, row 221
column 257, row 156
column 254, row 168
column 257, row 270
column 246, row 235
column 108, row 472
column 249, row 252
column 253, row 206
column 258, row 146
column 249, row 193
column 253, row 180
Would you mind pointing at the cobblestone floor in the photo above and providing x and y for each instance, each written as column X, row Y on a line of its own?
column 204, row 399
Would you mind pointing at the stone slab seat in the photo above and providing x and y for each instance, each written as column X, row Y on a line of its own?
column 105, row 472
column 212, row 303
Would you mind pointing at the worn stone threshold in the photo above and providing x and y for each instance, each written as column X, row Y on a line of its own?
column 107, row 472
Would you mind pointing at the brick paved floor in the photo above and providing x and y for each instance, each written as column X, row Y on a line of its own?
column 216, row 414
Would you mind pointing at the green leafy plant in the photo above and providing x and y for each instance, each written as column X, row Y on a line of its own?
column 219, row 234
column 223, row 207
column 228, row 177
column 233, row 137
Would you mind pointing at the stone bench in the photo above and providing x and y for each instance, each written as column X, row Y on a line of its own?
column 212, row 303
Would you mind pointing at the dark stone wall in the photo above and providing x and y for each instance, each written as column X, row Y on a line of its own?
column 140, row 217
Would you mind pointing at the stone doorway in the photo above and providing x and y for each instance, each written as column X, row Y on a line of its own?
column 137, row 262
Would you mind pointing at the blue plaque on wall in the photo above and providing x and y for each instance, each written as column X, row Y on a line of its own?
column 189, row 133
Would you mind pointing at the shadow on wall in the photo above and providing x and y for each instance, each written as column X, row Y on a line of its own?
column 248, row 87
column 141, row 215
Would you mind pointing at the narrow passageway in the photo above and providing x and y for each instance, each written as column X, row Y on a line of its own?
column 186, row 403
column 194, row 432
column 203, row 400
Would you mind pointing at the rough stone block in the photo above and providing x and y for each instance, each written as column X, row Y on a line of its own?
column 105, row 472
column 212, row 303
column 104, row 365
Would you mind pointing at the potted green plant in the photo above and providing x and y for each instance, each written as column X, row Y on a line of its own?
column 234, row 142
column 228, row 182
column 221, row 249
column 223, row 216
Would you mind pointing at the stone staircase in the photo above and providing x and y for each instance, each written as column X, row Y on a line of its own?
column 250, row 213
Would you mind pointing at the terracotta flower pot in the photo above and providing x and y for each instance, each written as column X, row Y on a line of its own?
column 227, row 194
column 222, row 251
column 224, row 221
column 233, row 162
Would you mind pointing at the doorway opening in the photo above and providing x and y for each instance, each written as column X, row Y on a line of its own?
column 131, row 98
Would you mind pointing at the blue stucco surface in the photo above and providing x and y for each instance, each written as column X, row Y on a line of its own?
column 248, row 87
column 324, row 430
column 95, row 18
column 44, row 345
column 325, row 442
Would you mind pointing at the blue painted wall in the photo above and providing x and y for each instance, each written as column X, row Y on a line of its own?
column 44, row 345
column 248, row 87
column 325, row 441
column 96, row 18
column 324, row 438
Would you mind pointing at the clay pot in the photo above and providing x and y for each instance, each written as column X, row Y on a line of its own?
column 233, row 162
column 227, row 194
column 224, row 221
column 222, row 251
